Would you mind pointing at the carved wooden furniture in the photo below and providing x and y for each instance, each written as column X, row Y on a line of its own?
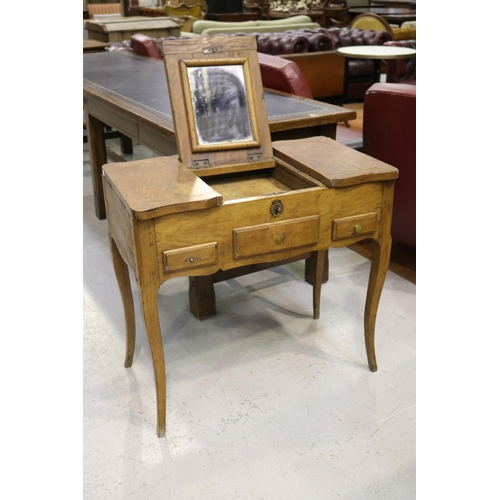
column 105, row 8
column 233, row 198
column 336, row 14
column 370, row 21
column 186, row 11
column 117, row 30
column 390, row 15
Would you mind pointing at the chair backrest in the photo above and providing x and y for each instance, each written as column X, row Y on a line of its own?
column 283, row 75
column 104, row 8
column 369, row 21
column 187, row 14
column 143, row 45
column 336, row 14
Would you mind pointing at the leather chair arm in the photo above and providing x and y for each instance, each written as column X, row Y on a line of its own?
column 389, row 134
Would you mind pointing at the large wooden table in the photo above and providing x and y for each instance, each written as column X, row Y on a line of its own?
column 90, row 46
column 130, row 94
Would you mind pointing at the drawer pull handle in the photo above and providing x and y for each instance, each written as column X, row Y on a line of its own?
column 358, row 228
column 280, row 238
column 191, row 259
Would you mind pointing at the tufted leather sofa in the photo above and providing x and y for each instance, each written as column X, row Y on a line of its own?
column 402, row 70
column 277, row 73
column 359, row 74
column 389, row 135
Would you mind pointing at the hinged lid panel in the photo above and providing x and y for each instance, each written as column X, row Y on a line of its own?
column 217, row 103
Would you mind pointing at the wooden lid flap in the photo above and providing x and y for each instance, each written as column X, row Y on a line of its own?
column 217, row 102
column 159, row 186
column 332, row 163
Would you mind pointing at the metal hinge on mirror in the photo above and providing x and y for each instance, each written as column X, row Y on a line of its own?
column 200, row 163
column 255, row 157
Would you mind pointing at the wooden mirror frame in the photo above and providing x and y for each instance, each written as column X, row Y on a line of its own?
column 219, row 51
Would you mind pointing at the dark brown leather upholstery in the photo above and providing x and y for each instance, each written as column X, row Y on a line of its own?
column 389, row 134
column 360, row 72
column 402, row 70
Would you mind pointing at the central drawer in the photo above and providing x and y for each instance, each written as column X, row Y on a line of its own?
column 274, row 237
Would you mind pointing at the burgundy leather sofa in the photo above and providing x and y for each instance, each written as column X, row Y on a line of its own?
column 402, row 70
column 277, row 73
column 389, row 134
column 360, row 72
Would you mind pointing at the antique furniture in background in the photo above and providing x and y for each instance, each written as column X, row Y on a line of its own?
column 261, row 7
column 117, row 30
column 377, row 53
column 336, row 14
column 370, row 21
column 392, row 16
column 402, row 70
column 309, row 44
column 209, row 27
column 99, row 7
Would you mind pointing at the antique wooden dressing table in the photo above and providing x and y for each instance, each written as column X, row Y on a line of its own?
column 233, row 198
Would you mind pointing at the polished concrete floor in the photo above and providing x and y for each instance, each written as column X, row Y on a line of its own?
column 263, row 402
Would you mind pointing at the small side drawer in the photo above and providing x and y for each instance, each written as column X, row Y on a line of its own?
column 188, row 257
column 267, row 238
column 357, row 225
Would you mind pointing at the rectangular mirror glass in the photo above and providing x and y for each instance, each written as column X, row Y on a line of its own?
column 220, row 104
column 221, row 114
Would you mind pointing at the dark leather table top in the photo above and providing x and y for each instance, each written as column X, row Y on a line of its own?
column 141, row 82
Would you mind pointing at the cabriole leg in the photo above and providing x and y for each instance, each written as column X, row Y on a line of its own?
column 123, row 278
column 381, row 252
column 149, row 309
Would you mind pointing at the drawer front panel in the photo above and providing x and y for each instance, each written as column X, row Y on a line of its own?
column 267, row 238
column 357, row 225
column 189, row 257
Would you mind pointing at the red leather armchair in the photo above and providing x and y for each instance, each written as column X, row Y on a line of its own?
column 389, row 134
column 284, row 75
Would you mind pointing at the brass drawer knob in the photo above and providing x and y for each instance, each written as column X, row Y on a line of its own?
column 280, row 238
column 358, row 228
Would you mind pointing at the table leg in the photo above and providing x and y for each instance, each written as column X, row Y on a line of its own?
column 148, row 285
column 318, row 260
column 201, row 296
column 310, row 269
column 126, row 146
column 123, row 278
column 98, row 157
column 381, row 253
column 149, row 309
